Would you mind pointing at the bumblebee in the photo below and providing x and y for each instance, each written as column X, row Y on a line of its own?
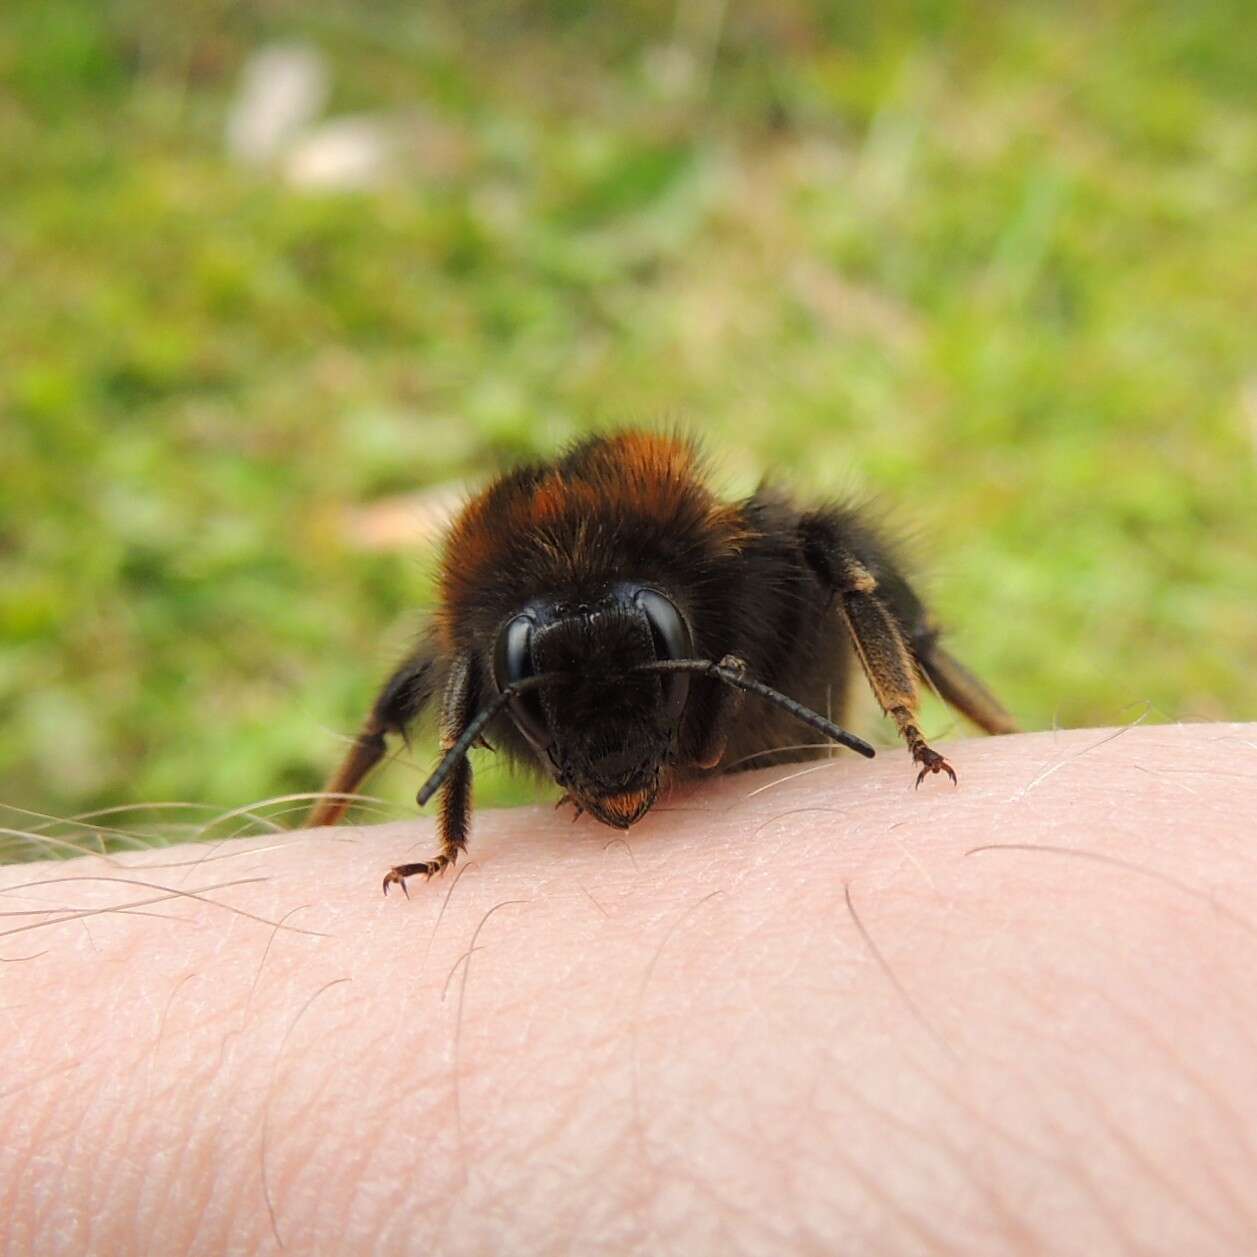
column 608, row 620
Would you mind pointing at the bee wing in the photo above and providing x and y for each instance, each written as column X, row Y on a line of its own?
column 957, row 686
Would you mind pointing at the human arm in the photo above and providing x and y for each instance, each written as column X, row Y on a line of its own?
column 801, row 1013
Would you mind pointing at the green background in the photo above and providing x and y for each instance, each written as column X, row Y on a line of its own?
column 993, row 264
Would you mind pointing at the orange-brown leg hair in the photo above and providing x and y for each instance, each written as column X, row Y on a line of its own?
column 399, row 703
column 879, row 640
column 887, row 663
column 459, row 705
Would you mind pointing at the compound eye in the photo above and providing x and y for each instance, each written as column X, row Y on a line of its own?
column 512, row 662
column 671, row 637
column 512, row 658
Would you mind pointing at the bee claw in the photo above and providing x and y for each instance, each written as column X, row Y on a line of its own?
column 579, row 811
column 933, row 762
column 394, row 878
column 397, row 876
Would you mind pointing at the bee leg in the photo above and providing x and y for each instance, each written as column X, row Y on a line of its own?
column 879, row 641
column 399, row 703
column 727, row 704
column 459, row 705
column 577, row 810
column 938, row 668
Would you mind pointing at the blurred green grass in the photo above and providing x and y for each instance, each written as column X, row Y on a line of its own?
column 995, row 264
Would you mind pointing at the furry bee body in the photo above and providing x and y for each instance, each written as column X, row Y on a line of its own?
column 603, row 617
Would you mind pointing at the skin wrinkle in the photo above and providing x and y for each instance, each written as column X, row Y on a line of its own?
column 757, row 1141
column 161, row 1032
column 209, row 1203
column 796, row 1158
column 499, row 1182
column 223, row 1065
column 1041, row 1009
column 266, row 1112
column 460, row 1197
column 87, row 1188
column 420, row 1117
column 455, row 1064
column 610, row 1047
column 560, row 1109
column 1009, row 1223
column 159, row 1174
column 882, row 963
column 495, row 1209
column 164, row 1194
column 1072, row 1161
column 1098, row 1107
column 1167, row 1184
column 1222, row 1111
column 567, row 1183
column 733, row 1008
column 1060, row 1162
column 1164, row 1184
column 644, row 1161
column 1071, row 1165
column 755, row 1145
column 326, row 1216
column 43, row 1076
column 1131, row 867
column 1150, row 1033
column 734, row 1218
column 989, row 1192
column 917, row 1227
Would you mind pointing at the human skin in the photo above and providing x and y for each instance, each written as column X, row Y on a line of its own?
column 789, row 1012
